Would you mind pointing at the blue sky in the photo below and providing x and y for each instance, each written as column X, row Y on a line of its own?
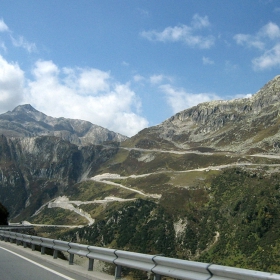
column 131, row 64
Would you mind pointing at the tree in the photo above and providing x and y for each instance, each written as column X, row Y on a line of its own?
column 4, row 214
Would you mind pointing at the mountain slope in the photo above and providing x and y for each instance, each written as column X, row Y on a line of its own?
column 25, row 121
column 220, row 197
column 34, row 170
column 241, row 125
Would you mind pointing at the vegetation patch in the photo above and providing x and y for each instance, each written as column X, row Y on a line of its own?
column 141, row 226
column 193, row 179
column 244, row 209
column 96, row 211
column 91, row 190
column 58, row 216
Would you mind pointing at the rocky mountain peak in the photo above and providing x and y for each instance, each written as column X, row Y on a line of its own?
column 27, row 112
column 268, row 95
column 271, row 88
column 26, row 108
column 238, row 124
column 26, row 121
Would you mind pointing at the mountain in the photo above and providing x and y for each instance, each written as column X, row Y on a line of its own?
column 203, row 185
column 248, row 124
column 25, row 121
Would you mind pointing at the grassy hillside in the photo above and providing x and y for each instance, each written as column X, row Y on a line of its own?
column 229, row 217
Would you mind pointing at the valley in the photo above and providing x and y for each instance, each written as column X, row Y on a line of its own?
column 111, row 179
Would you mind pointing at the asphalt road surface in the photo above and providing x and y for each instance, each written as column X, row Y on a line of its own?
column 17, row 263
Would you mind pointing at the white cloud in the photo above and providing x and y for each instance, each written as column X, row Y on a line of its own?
column 269, row 31
column 156, row 79
column 87, row 81
column 184, row 33
column 267, row 40
column 45, row 70
column 3, row 26
column 200, row 22
column 207, row 60
column 249, row 41
column 138, row 78
column 18, row 41
column 269, row 59
column 11, row 85
column 23, row 43
column 244, row 95
column 93, row 81
column 88, row 94
column 179, row 99
column 160, row 78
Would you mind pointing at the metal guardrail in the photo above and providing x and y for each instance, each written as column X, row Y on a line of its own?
column 158, row 265
column 14, row 227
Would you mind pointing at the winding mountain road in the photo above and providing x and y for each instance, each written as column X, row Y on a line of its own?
column 107, row 178
column 104, row 177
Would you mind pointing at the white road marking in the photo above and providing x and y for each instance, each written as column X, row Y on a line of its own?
column 42, row 266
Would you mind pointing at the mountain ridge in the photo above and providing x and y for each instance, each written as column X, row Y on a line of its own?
column 26, row 121
column 232, row 125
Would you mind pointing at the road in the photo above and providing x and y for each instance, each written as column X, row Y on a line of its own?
column 106, row 178
column 21, row 263
column 102, row 178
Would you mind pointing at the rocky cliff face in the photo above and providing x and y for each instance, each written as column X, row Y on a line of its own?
column 25, row 121
column 35, row 169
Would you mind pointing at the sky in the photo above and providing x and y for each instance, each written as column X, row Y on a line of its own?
column 130, row 64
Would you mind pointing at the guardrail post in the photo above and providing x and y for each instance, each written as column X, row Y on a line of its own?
column 90, row 264
column 71, row 259
column 24, row 244
column 55, row 254
column 157, row 277
column 33, row 247
column 118, row 271
column 42, row 250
